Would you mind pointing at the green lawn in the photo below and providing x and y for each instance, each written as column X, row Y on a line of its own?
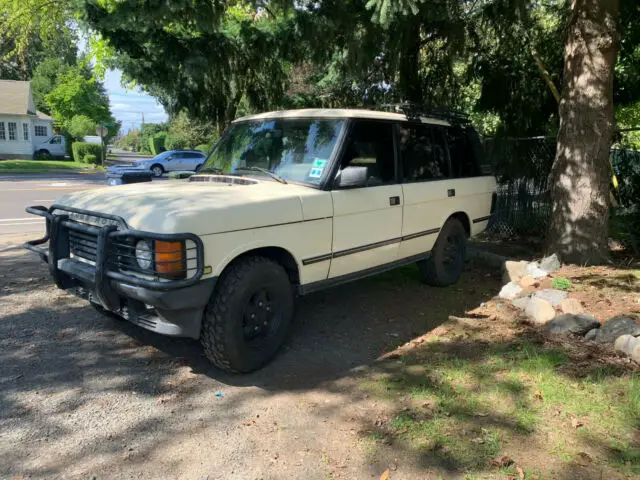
column 557, row 414
column 39, row 166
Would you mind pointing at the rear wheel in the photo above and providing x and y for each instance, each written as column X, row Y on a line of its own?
column 446, row 263
column 248, row 316
column 157, row 170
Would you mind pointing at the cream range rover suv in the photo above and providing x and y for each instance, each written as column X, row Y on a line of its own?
column 288, row 203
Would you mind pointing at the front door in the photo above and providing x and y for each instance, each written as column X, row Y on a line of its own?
column 367, row 221
column 57, row 147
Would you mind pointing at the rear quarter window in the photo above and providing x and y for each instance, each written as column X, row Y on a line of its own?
column 466, row 153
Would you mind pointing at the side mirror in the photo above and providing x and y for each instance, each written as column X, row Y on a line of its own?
column 352, row 177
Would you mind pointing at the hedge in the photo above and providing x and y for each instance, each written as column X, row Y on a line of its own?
column 174, row 142
column 204, row 148
column 156, row 143
column 91, row 159
column 82, row 149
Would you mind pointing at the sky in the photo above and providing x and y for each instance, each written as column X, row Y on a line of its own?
column 128, row 106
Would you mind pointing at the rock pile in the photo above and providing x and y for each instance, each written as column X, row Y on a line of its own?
column 555, row 312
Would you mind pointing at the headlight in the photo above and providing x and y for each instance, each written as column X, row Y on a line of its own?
column 144, row 254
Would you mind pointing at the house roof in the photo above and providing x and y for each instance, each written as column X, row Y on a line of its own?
column 14, row 97
column 43, row 116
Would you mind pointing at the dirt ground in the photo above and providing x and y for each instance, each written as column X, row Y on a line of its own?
column 83, row 396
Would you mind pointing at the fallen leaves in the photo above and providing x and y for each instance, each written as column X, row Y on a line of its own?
column 575, row 423
column 385, row 475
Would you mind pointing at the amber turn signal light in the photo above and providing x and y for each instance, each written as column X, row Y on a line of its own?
column 170, row 258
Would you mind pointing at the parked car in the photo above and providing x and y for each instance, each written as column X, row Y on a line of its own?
column 288, row 202
column 168, row 161
column 54, row 147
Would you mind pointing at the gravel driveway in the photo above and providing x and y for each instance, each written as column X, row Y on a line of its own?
column 83, row 395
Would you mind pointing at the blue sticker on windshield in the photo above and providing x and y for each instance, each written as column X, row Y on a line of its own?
column 316, row 172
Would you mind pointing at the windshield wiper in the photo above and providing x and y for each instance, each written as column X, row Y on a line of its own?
column 266, row 172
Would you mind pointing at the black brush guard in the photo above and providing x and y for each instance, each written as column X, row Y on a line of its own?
column 68, row 272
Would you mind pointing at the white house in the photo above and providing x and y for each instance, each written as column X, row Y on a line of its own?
column 22, row 127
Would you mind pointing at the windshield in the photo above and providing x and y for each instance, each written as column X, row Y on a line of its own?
column 294, row 149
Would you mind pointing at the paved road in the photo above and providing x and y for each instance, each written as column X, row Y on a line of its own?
column 20, row 191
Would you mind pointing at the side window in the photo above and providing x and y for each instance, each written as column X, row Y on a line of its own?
column 55, row 141
column 192, row 155
column 371, row 145
column 423, row 153
column 462, row 151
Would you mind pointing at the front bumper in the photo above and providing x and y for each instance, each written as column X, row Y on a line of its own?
column 169, row 307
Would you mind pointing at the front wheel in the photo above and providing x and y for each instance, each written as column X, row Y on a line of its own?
column 248, row 316
column 42, row 155
column 446, row 262
column 157, row 170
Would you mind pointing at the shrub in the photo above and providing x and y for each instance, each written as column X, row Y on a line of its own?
column 91, row 159
column 561, row 283
column 156, row 143
column 82, row 149
column 174, row 142
column 204, row 148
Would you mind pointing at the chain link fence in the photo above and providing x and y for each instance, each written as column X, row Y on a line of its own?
column 523, row 170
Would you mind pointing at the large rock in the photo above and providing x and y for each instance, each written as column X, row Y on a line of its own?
column 591, row 334
column 571, row 305
column 521, row 303
column 510, row 290
column 539, row 310
column 626, row 344
column 526, row 282
column 616, row 327
column 550, row 264
column 572, row 324
column 513, row 271
column 635, row 355
column 533, row 270
column 554, row 297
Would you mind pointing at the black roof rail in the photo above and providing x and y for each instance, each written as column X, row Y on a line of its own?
column 414, row 111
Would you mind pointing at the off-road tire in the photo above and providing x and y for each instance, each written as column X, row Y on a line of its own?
column 446, row 262
column 222, row 325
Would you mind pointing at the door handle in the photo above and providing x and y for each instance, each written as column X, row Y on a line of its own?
column 393, row 201
column 451, row 192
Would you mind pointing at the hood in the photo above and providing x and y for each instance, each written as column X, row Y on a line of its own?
column 196, row 207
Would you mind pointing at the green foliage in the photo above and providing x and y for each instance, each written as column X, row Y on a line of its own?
column 194, row 132
column 91, row 159
column 148, row 131
column 82, row 149
column 561, row 283
column 80, row 126
column 156, row 143
column 204, row 148
column 74, row 95
column 174, row 142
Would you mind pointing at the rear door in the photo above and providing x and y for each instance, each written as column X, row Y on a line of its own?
column 191, row 160
column 471, row 178
column 367, row 220
column 427, row 185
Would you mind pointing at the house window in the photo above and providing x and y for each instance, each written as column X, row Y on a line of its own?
column 25, row 131
column 41, row 130
column 13, row 130
column 3, row 135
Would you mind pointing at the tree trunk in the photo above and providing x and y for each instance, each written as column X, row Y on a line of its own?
column 409, row 81
column 578, row 232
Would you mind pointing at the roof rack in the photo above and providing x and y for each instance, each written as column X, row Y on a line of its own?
column 414, row 111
